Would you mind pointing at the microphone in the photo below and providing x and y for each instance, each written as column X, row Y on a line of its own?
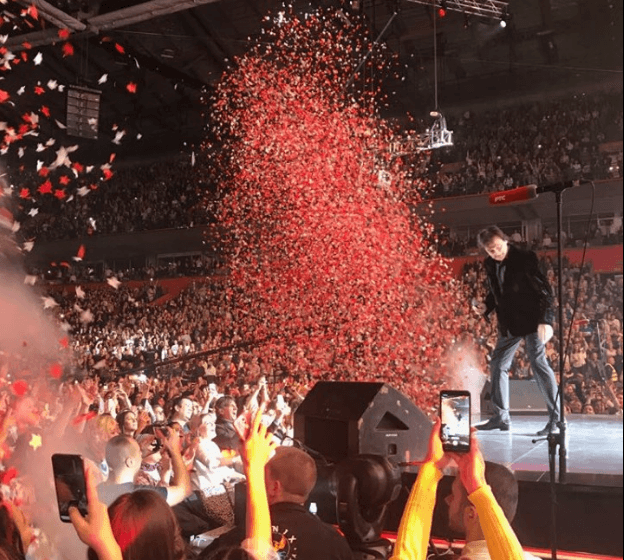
column 523, row 194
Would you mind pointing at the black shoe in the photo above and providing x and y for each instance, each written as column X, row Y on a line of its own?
column 548, row 428
column 494, row 424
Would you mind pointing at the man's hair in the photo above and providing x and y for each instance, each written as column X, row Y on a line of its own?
column 504, row 487
column 178, row 401
column 224, row 401
column 294, row 469
column 485, row 236
column 120, row 448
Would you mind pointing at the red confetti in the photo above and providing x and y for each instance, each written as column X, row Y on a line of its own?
column 131, row 87
column 19, row 388
column 64, row 180
column 4, row 96
column 44, row 171
column 45, row 110
column 24, row 193
column 107, row 174
column 77, row 167
column 68, row 49
column 8, row 475
column 26, row 45
column 119, row 48
column 345, row 274
column 32, row 11
column 64, row 342
column 84, row 417
column 81, row 252
column 39, row 90
column 45, row 188
column 63, row 33
column 60, row 194
column 56, row 370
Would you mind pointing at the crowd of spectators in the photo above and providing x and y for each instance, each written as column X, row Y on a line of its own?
column 142, row 369
column 601, row 231
column 536, row 143
column 115, row 330
column 540, row 143
column 164, row 194
column 133, row 367
column 205, row 264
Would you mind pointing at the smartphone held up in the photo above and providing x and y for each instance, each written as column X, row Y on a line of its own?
column 70, row 484
column 455, row 420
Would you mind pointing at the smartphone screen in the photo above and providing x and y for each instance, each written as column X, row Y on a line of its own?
column 455, row 420
column 70, row 484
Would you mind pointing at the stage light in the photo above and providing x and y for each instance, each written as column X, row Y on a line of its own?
column 505, row 18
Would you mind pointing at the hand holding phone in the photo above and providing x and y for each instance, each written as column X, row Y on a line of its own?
column 94, row 528
column 471, row 466
column 455, row 420
column 70, row 484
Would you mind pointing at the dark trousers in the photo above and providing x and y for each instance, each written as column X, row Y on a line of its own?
column 502, row 358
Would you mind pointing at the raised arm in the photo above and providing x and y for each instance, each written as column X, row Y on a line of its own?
column 257, row 450
column 180, row 486
column 95, row 530
column 415, row 527
column 501, row 541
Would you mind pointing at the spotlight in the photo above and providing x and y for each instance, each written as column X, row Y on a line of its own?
column 505, row 19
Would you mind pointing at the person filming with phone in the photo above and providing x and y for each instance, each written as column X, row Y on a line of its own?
column 481, row 506
column 523, row 300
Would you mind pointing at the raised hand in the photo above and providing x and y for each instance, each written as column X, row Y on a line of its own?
column 471, row 465
column 259, row 444
column 95, row 530
column 435, row 452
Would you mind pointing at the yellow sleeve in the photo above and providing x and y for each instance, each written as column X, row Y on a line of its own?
column 415, row 527
column 501, row 540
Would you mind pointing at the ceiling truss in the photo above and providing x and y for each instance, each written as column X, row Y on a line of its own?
column 496, row 9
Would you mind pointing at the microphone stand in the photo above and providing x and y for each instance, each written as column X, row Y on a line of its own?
column 558, row 439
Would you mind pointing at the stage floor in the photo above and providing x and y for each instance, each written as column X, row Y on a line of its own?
column 594, row 449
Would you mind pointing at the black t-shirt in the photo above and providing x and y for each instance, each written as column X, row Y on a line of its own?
column 297, row 535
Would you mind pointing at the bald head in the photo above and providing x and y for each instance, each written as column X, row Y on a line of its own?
column 295, row 471
column 123, row 452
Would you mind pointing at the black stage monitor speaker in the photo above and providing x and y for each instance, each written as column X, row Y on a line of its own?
column 345, row 419
column 524, row 398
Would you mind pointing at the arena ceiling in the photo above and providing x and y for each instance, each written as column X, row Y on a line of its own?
column 170, row 53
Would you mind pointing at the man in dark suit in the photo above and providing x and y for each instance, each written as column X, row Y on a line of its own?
column 523, row 300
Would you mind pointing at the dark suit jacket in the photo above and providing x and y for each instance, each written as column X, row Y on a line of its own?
column 227, row 438
column 526, row 299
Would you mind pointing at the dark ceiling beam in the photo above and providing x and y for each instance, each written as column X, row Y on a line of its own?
column 205, row 34
column 55, row 16
column 104, row 22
